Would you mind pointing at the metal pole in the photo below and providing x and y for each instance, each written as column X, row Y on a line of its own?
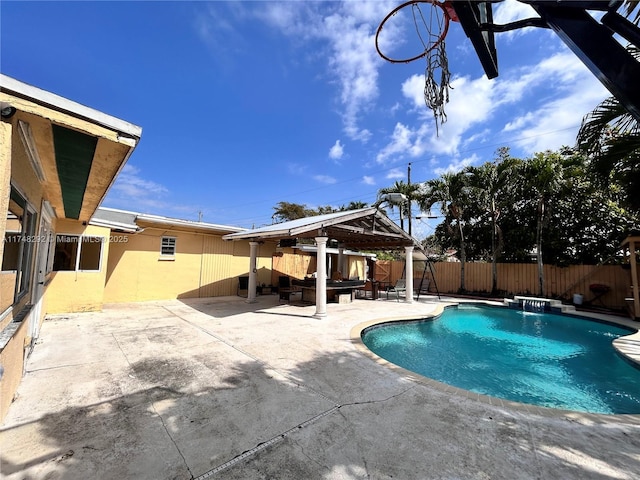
column 409, row 195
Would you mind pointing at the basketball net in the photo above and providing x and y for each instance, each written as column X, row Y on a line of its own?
column 432, row 30
column 436, row 73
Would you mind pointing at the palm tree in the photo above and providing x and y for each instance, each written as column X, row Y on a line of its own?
column 492, row 184
column 285, row 211
column 547, row 175
column 410, row 191
column 610, row 135
column 354, row 206
column 451, row 192
column 630, row 6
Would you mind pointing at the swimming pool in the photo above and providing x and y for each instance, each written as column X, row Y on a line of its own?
column 550, row 360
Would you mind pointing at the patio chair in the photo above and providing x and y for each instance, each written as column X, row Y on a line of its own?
column 400, row 286
column 285, row 289
column 243, row 284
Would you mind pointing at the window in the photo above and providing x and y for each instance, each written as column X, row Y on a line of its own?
column 90, row 250
column 168, row 247
column 19, row 240
column 65, row 253
column 77, row 253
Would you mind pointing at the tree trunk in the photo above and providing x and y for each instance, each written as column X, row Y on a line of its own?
column 496, row 257
column 463, row 257
column 539, row 247
column 494, row 252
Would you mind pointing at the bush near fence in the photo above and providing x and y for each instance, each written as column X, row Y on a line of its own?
column 521, row 279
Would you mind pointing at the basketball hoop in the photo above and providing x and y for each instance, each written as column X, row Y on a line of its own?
column 431, row 28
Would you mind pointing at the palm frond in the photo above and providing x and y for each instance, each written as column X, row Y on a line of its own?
column 602, row 123
column 629, row 7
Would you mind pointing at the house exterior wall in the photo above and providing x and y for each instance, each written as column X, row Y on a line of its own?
column 17, row 172
column 204, row 265
column 5, row 186
column 16, row 317
column 32, row 211
column 12, row 359
column 78, row 291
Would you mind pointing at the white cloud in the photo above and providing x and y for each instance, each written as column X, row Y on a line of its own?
column 217, row 30
column 336, row 151
column 132, row 192
column 558, row 90
column 395, row 173
column 325, row 179
column 405, row 142
column 130, row 184
column 510, row 11
column 556, row 120
column 367, row 180
column 349, row 29
column 296, row 168
column 457, row 165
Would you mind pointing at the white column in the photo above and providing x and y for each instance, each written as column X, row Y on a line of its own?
column 253, row 272
column 409, row 274
column 321, row 278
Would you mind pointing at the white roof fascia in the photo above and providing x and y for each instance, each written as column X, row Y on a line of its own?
column 295, row 227
column 327, row 222
column 115, row 225
column 118, row 210
column 11, row 85
column 188, row 223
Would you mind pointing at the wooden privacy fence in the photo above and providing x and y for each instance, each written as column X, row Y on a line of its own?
column 522, row 279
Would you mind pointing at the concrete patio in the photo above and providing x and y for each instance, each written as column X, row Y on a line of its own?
column 218, row 388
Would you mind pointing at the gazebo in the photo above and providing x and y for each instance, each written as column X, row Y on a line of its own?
column 363, row 229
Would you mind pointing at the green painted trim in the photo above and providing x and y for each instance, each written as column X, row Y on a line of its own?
column 74, row 156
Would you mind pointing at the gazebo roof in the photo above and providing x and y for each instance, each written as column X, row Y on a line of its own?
column 362, row 229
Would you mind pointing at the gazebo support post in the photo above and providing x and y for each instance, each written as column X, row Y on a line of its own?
column 408, row 295
column 321, row 278
column 253, row 272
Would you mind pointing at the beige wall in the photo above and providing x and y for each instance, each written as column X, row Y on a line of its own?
column 5, row 179
column 11, row 359
column 78, row 291
column 14, row 169
column 204, row 266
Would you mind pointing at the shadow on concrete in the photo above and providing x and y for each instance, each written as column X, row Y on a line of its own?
column 337, row 415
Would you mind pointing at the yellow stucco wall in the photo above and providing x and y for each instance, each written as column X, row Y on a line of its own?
column 5, row 177
column 64, row 291
column 78, row 291
column 11, row 359
column 204, row 266
column 15, row 170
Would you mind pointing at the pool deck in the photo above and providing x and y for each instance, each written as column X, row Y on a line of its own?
column 218, row 388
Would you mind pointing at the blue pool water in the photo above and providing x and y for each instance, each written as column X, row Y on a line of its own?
column 544, row 359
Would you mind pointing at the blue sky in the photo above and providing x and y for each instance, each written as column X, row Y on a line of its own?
column 246, row 104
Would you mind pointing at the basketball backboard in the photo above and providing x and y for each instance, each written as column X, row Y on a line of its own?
column 472, row 15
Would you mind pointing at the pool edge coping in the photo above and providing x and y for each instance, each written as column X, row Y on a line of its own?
column 355, row 335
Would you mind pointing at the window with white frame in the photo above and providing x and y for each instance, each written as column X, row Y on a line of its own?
column 19, row 241
column 168, row 247
column 77, row 253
